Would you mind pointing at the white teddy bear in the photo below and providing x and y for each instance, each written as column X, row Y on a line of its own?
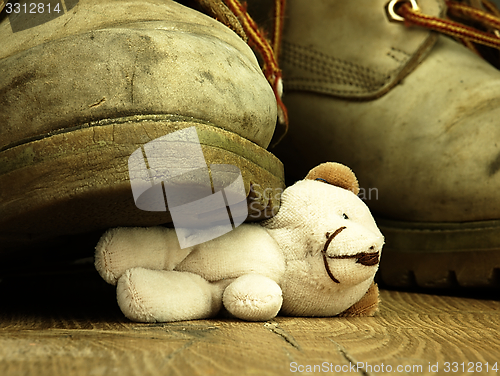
column 317, row 257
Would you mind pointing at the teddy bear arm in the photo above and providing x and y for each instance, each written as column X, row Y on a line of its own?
column 247, row 249
column 366, row 306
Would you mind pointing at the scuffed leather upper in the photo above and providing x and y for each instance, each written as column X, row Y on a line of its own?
column 349, row 48
column 117, row 58
column 427, row 150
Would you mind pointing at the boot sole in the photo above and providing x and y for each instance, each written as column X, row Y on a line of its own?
column 76, row 180
column 440, row 255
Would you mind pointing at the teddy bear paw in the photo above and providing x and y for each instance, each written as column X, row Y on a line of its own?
column 253, row 297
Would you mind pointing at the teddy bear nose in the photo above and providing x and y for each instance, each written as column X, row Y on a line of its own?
column 368, row 259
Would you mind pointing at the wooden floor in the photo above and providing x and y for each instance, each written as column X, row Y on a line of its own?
column 69, row 324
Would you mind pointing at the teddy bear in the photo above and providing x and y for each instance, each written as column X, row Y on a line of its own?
column 316, row 257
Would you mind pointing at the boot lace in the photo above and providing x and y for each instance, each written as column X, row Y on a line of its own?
column 234, row 14
column 475, row 23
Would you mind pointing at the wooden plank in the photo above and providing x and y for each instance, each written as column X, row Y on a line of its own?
column 412, row 331
column 193, row 348
column 66, row 327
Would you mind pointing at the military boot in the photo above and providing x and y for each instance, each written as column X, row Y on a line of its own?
column 85, row 83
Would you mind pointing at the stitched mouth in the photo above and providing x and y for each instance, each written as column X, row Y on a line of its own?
column 363, row 258
column 366, row 259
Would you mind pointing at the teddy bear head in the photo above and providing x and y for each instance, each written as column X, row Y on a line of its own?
column 331, row 243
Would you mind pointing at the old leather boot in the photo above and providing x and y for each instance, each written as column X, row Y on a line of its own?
column 416, row 116
column 85, row 85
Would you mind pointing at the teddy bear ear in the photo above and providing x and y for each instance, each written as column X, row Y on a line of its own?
column 335, row 174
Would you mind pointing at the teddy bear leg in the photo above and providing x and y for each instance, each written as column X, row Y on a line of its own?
column 124, row 248
column 162, row 296
column 253, row 297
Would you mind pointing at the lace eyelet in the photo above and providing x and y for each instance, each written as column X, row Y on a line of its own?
column 391, row 12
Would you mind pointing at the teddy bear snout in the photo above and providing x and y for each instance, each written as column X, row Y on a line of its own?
column 369, row 256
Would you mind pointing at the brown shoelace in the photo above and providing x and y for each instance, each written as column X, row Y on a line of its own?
column 477, row 23
column 256, row 37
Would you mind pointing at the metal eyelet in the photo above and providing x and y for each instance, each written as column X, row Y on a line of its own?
column 391, row 13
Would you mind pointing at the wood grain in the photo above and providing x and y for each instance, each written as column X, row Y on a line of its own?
column 68, row 327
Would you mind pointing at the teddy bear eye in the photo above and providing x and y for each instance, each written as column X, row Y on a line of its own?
column 344, row 215
column 323, row 180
